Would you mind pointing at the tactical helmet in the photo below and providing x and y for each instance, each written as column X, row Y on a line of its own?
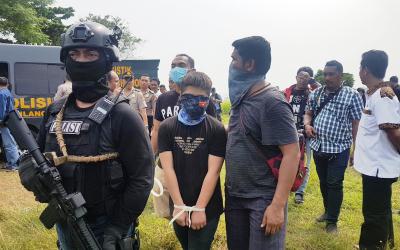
column 91, row 35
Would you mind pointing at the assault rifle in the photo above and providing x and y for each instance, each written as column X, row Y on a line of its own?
column 62, row 207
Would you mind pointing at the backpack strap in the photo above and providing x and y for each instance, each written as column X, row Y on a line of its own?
column 56, row 106
column 326, row 101
column 257, row 89
column 265, row 151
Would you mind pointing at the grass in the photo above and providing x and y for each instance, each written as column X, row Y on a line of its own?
column 20, row 227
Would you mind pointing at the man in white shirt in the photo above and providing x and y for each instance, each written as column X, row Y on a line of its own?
column 377, row 152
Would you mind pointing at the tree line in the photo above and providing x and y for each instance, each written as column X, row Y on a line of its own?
column 40, row 22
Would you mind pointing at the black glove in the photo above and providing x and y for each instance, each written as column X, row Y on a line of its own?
column 30, row 177
column 112, row 236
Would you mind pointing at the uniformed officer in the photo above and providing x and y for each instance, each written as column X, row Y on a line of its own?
column 149, row 97
column 108, row 157
column 135, row 98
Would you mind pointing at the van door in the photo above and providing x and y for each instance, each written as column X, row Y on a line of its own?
column 35, row 86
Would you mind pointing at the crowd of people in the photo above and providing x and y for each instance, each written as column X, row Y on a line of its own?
column 183, row 127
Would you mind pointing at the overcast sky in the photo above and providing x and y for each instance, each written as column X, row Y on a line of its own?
column 301, row 33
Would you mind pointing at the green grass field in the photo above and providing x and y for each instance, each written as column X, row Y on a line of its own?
column 20, row 227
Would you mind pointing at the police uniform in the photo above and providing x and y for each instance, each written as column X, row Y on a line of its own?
column 150, row 99
column 136, row 99
column 110, row 160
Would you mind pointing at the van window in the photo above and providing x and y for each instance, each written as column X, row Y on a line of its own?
column 37, row 79
column 4, row 69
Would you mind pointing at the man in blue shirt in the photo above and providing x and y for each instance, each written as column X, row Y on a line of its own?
column 9, row 145
column 331, row 121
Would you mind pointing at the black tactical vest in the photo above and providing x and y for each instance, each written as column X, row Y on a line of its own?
column 100, row 183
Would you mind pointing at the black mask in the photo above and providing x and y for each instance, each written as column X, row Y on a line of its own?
column 88, row 78
column 87, row 71
column 88, row 91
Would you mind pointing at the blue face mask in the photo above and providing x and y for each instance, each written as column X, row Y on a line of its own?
column 239, row 83
column 193, row 109
column 177, row 74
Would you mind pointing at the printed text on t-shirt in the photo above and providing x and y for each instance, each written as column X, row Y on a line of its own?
column 168, row 112
column 188, row 146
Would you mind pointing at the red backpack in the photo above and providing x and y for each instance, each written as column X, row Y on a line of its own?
column 272, row 154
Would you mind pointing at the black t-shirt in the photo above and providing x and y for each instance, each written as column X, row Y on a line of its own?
column 217, row 104
column 190, row 147
column 298, row 101
column 396, row 90
column 167, row 106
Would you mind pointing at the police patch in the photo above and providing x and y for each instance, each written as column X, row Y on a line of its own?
column 68, row 127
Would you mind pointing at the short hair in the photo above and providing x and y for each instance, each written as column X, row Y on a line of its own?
column 3, row 81
column 190, row 59
column 334, row 63
column 361, row 90
column 306, row 69
column 376, row 61
column 162, row 86
column 110, row 74
column 255, row 48
column 198, row 80
column 156, row 80
column 126, row 77
column 145, row 75
column 212, row 89
column 394, row 79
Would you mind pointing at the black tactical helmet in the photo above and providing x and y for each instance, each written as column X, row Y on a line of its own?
column 91, row 35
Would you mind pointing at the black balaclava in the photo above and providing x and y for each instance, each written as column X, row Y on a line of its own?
column 88, row 78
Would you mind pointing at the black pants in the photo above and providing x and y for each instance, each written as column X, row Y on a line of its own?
column 377, row 229
column 218, row 113
column 331, row 169
column 150, row 123
column 197, row 239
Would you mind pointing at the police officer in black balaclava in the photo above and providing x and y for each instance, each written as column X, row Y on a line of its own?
column 107, row 154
